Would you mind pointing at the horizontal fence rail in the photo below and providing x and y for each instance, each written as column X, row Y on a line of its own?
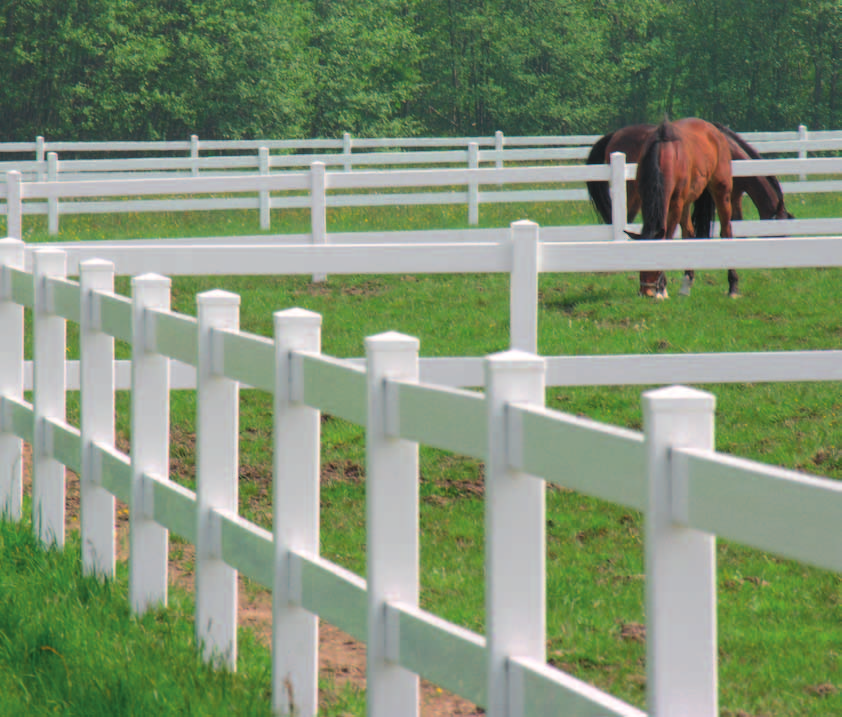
column 496, row 256
column 687, row 491
column 801, row 140
column 470, row 177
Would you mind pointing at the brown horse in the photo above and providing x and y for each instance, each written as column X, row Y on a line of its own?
column 682, row 162
column 765, row 192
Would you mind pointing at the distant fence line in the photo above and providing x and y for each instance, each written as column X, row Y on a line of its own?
column 316, row 189
column 687, row 491
column 798, row 141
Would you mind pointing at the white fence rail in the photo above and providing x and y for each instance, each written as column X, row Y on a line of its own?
column 523, row 251
column 670, row 472
column 801, row 141
column 317, row 189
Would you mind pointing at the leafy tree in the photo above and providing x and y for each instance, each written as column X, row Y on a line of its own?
column 544, row 77
column 819, row 29
column 143, row 69
column 366, row 67
column 140, row 69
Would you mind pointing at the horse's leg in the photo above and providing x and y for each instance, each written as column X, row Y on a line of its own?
column 688, row 231
column 736, row 205
column 736, row 215
column 722, row 197
column 632, row 201
column 661, row 292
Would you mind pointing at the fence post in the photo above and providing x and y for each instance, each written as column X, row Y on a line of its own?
column 515, row 533
column 391, row 524
column 523, row 301
column 96, row 383
column 217, row 469
column 473, row 185
column 39, row 155
column 803, row 136
column 297, row 433
column 681, row 654
column 346, row 150
column 52, row 202
column 14, row 205
column 194, row 154
column 318, row 208
column 263, row 168
column 11, row 380
column 150, row 420
column 617, row 187
column 499, row 142
column 48, row 357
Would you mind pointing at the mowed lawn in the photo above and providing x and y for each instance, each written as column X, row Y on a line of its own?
column 780, row 639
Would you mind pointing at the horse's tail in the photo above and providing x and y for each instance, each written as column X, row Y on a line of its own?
column 598, row 191
column 704, row 211
column 650, row 181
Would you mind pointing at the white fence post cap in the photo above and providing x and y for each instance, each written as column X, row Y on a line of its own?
column 297, row 315
column 680, row 399
column 392, row 341
column 97, row 265
column 151, row 278
column 514, row 359
column 218, row 297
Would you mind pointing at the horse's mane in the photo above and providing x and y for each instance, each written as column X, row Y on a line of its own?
column 754, row 154
column 651, row 180
column 598, row 191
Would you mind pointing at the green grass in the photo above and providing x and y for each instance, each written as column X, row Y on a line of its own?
column 780, row 623
column 69, row 646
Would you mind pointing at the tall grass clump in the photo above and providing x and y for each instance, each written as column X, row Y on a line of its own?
column 69, row 645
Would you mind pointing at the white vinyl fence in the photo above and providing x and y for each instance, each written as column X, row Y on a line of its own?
column 523, row 251
column 317, row 189
column 688, row 492
column 801, row 141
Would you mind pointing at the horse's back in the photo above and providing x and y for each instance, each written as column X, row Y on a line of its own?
column 708, row 147
column 629, row 140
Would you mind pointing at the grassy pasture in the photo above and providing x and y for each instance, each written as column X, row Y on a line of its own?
column 780, row 622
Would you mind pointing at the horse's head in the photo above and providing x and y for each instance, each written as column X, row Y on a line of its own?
column 653, row 284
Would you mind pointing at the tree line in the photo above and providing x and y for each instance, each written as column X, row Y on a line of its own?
column 229, row 69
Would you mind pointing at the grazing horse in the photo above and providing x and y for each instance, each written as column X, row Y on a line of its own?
column 682, row 162
column 765, row 192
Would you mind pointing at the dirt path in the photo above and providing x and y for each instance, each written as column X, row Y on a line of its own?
column 341, row 658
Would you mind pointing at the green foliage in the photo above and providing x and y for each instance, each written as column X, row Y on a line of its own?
column 366, row 68
column 144, row 70
column 136, row 69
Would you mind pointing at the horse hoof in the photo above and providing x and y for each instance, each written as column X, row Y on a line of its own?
column 733, row 295
column 662, row 295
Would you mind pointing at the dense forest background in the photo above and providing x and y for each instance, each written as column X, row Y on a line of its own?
column 226, row 69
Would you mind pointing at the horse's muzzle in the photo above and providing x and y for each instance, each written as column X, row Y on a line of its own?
column 653, row 284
